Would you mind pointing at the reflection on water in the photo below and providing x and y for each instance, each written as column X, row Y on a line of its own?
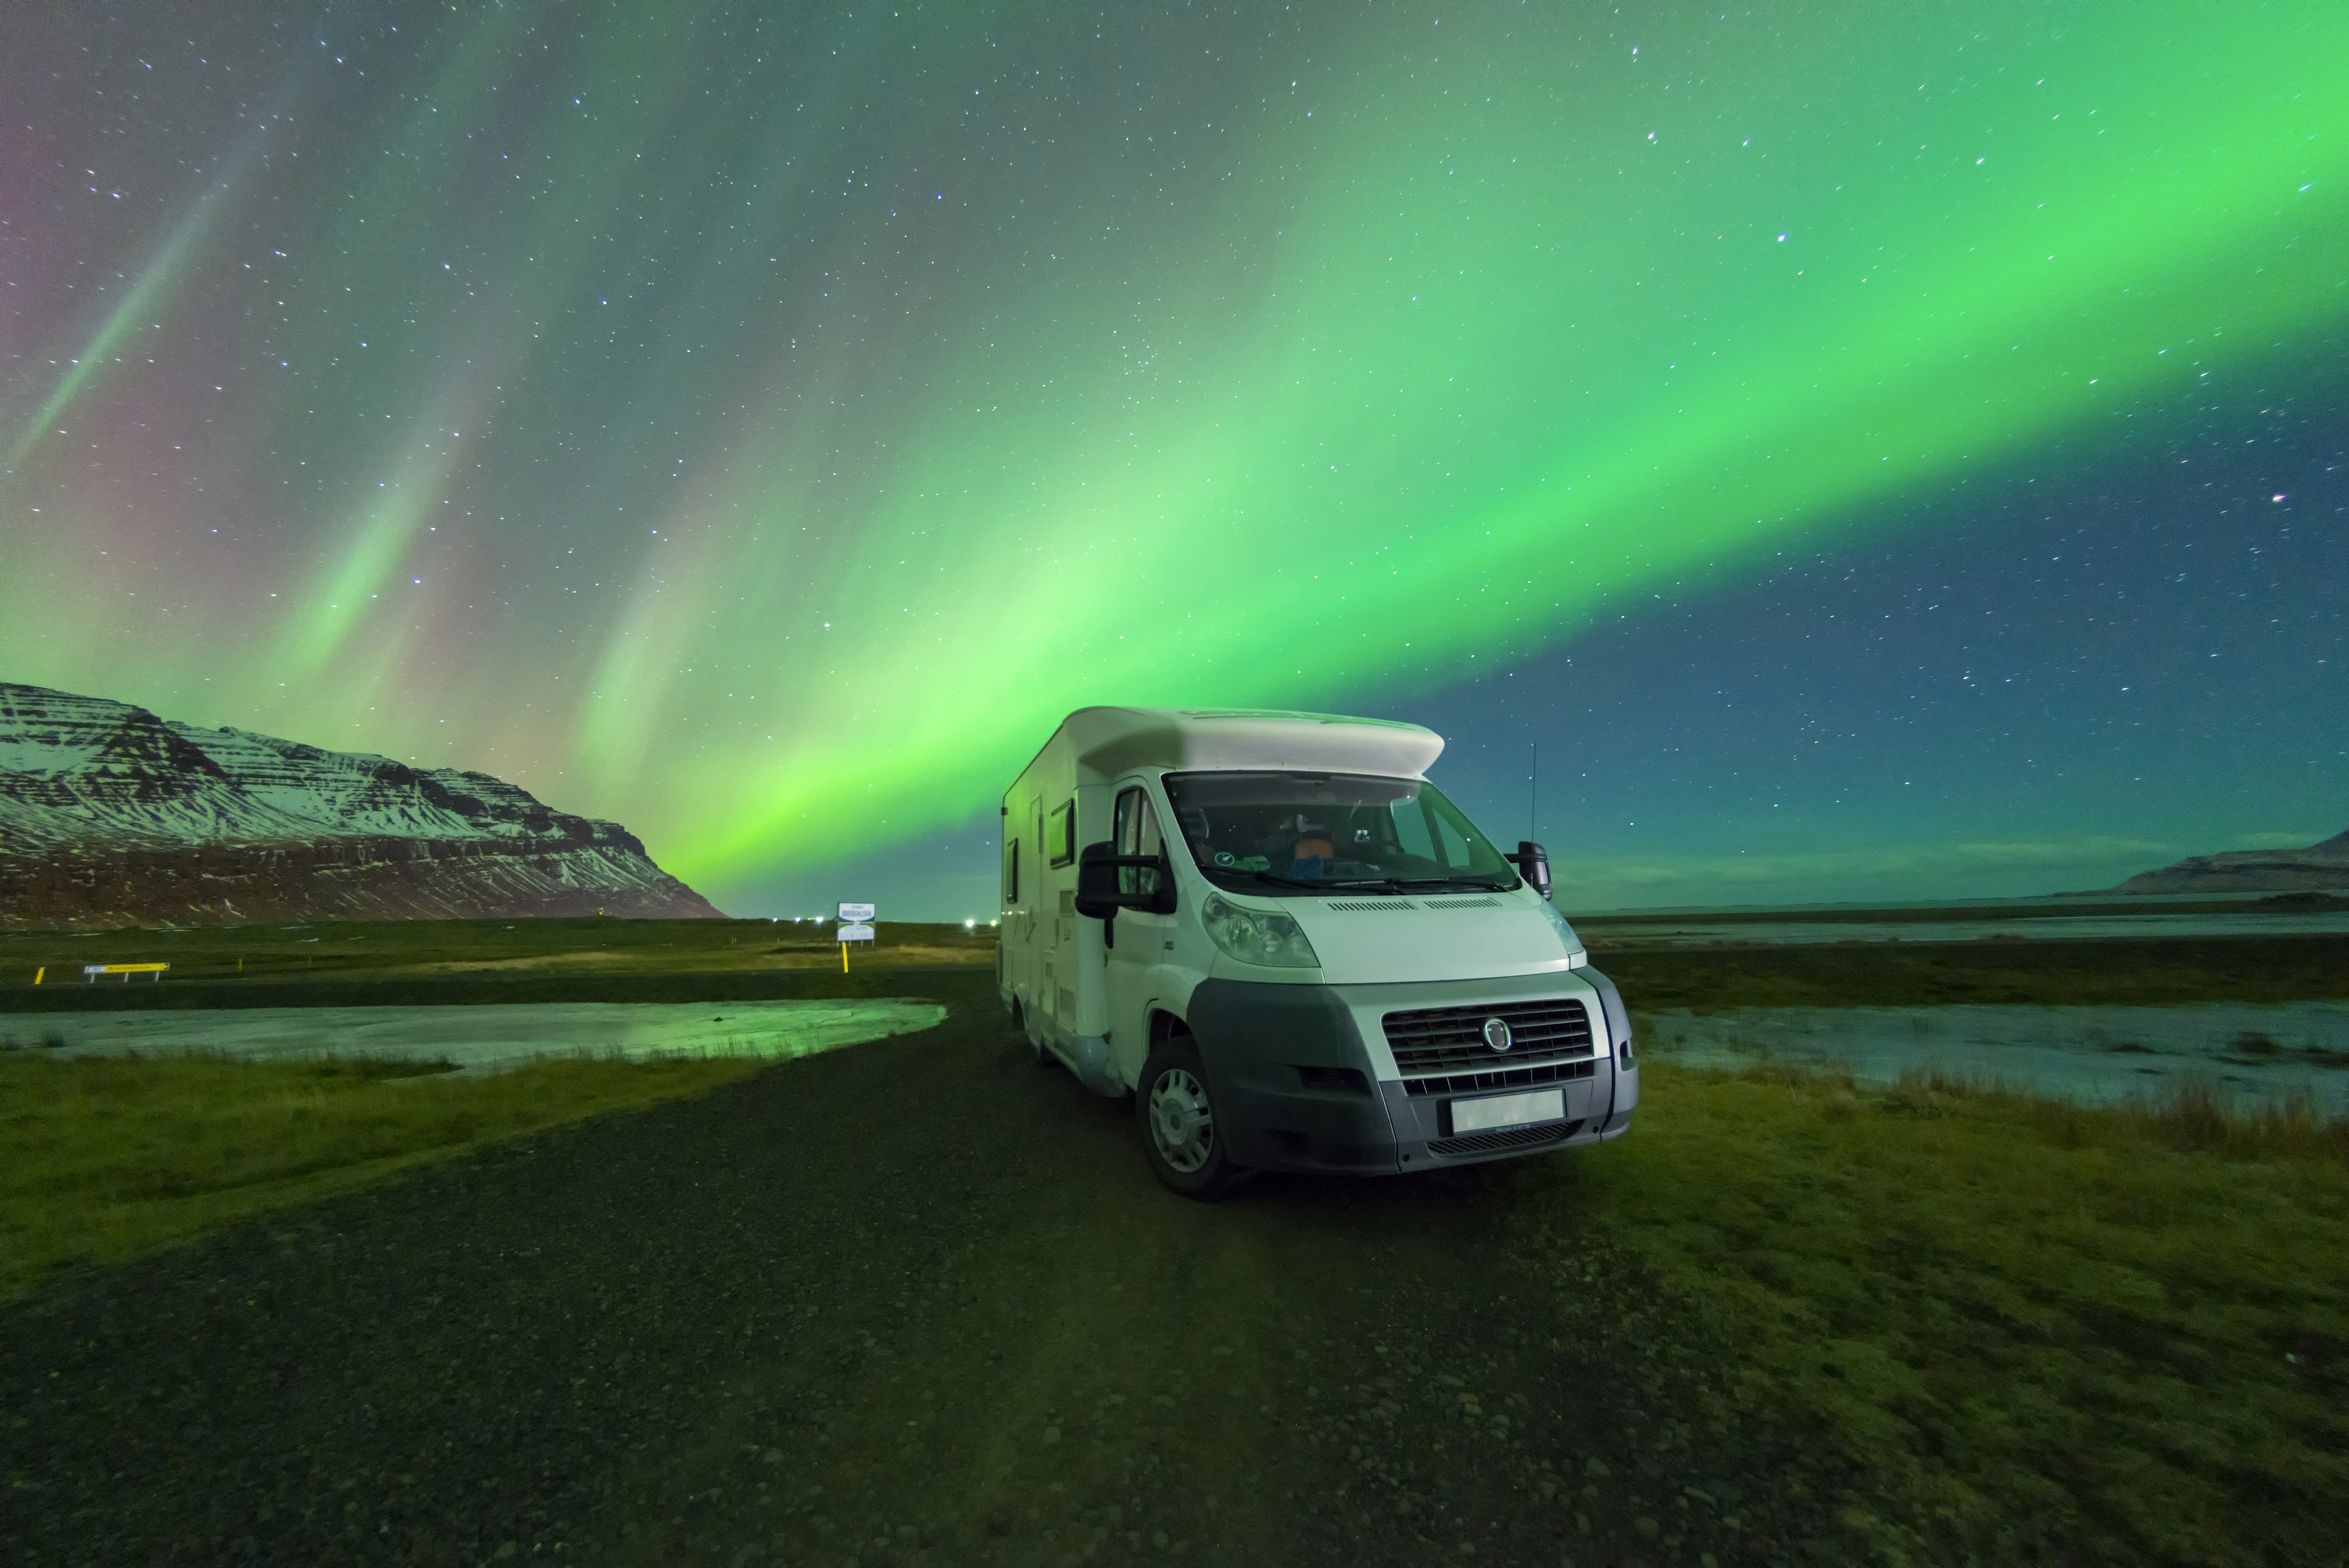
column 2091, row 1056
column 483, row 1038
column 1698, row 931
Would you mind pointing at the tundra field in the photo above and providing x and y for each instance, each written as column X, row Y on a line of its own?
column 916, row 1301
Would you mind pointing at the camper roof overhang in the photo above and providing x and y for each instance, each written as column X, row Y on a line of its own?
column 1109, row 741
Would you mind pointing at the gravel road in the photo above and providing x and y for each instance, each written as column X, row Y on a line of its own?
column 913, row 1301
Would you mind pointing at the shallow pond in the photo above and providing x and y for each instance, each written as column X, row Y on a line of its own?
column 1698, row 931
column 481, row 1038
column 2092, row 1055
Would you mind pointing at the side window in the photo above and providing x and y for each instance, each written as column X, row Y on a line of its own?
column 1061, row 833
column 1011, row 874
column 1137, row 834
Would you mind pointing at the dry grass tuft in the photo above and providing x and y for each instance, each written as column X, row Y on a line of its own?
column 2019, row 1319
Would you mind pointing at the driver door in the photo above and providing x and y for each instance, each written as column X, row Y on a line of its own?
column 1139, row 940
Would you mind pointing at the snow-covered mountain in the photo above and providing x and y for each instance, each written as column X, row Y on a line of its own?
column 2317, row 867
column 110, row 816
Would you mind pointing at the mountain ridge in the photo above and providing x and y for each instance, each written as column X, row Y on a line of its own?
column 111, row 815
column 2318, row 868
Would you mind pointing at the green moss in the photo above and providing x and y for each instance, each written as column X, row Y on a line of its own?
column 394, row 963
column 105, row 1158
column 2032, row 1326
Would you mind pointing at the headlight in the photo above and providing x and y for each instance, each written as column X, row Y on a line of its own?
column 1258, row 935
column 1575, row 955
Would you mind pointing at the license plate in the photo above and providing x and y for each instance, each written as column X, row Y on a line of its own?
column 1508, row 1110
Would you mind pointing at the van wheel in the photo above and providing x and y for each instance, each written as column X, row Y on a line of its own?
column 1020, row 1026
column 1177, row 1110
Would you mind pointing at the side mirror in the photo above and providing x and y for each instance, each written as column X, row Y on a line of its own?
column 1097, row 881
column 1107, row 882
column 1533, row 860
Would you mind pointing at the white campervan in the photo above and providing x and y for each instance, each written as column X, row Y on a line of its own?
column 1294, row 952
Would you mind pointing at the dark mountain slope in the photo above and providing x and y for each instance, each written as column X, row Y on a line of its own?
column 111, row 817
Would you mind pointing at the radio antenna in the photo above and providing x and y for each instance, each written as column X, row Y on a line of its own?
column 1532, row 795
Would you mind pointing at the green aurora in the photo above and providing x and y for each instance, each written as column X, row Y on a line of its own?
column 762, row 434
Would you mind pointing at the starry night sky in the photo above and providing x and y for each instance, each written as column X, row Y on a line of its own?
column 1871, row 452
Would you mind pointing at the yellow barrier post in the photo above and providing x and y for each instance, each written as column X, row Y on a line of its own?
column 125, row 969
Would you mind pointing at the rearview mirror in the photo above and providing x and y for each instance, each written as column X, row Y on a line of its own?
column 1533, row 860
column 1107, row 882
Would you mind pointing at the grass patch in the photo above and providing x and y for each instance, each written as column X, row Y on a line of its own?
column 2043, row 1332
column 330, row 951
column 103, row 1157
column 394, row 963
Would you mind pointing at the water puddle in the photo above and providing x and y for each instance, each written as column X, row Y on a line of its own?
column 480, row 1038
column 2089, row 1056
column 1698, row 931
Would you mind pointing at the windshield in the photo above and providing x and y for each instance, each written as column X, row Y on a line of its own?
column 1275, row 832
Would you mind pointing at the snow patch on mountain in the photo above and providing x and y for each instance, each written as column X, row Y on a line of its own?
column 86, row 780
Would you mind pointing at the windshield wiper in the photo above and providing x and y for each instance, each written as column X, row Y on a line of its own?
column 1268, row 876
column 1381, row 884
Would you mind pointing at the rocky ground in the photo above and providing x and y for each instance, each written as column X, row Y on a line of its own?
column 916, row 1302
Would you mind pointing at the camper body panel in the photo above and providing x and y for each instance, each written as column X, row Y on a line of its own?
column 1368, row 941
column 1305, row 1074
column 1280, row 1054
column 1050, row 959
column 1042, row 932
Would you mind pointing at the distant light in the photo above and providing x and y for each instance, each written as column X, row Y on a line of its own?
column 994, row 922
column 967, row 925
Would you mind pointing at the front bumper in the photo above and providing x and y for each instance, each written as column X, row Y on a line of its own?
column 1299, row 1087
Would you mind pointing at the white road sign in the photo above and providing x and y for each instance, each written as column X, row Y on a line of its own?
column 855, row 933
column 855, row 914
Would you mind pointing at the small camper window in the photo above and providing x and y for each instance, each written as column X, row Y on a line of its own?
column 1011, row 874
column 1061, row 833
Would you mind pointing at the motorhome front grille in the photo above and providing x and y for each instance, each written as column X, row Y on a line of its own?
column 1466, row 904
column 1507, row 1078
column 1507, row 1137
column 1369, row 905
column 1452, row 1038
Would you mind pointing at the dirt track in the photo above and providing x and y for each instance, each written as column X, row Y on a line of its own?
column 917, row 1300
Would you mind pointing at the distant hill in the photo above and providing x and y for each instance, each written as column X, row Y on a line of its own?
column 2313, row 869
column 111, row 817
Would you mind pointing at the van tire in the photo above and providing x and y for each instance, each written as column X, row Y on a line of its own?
column 1034, row 1037
column 1174, row 1110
